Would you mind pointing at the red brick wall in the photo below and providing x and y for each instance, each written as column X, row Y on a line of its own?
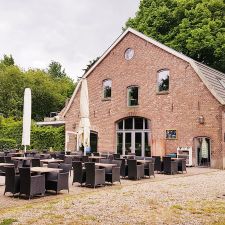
column 187, row 99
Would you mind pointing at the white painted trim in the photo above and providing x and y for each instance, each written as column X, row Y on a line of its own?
column 156, row 43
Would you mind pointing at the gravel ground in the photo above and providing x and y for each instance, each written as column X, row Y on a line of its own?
column 197, row 197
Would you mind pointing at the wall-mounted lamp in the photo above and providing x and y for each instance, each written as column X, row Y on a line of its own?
column 201, row 119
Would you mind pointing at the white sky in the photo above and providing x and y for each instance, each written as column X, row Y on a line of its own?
column 72, row 32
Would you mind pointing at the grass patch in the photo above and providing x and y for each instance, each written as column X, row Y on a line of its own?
column 176, row 207
column 8, row 221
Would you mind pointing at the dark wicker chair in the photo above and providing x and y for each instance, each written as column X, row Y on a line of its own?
column 158, row 163
column 114, row 174
column 61, row 156
column 36, row 163
column 85, row 158
column 135, row 171
column 79, row 174
column 182, row 165
column 12, row 181
column 65, row 167
column 8, row 159
column 57, row 181
column 2, row 159
column 149, row 169
column 53, row 165
column 95, row 153
column 123, row 168
column 94, row 176
column 68, row 161
column 169, row 166
column 31, row 185
column 116, row 156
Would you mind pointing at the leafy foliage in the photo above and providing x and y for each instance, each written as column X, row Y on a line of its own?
column 41, row 137
column 8, row 60
column 91, row 63
column 55, row 69
column 49, row 93
column 194, row 27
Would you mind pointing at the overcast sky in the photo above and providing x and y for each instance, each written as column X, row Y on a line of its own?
column 72, row 32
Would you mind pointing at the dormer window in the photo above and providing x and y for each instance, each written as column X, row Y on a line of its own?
column 163, row 81
column 107, row 89
column 132, row 96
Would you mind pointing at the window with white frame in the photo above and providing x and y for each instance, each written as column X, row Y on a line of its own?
column 132, row 96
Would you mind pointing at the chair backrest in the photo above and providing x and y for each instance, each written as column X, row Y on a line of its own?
column 25, row 178
column 68, row 160
column 61, row 156
column 90, row 172
column 9, row 176
column 65, row 167
column 167, row 160
column 35, row 162
column 85, row 158
column 132, row 165
column 53, row 165
column 2, row 159
column 8, row 159
column 116, row 156
column 96, row 154
column 77, row 170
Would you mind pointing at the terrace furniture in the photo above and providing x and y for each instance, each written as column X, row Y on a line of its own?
column 65, row 167
column 31, row 185
column 53, row 165
column 8, row 159
column 182, row 165
column 2, row 159
column 68, row 161
column 61, row 156
column 113, row 175
column 149, row 169
column 35, row 163
column 12, row 181
column 52, row 160
column 135, row 171
column 139, row 157
column 94, row 176
column 85, row 158
column 57, row 181
column 158, row 164
column 96, row 154
column 105, row 161
column 123, row 168
column 169, row 166
column 79, row 174
column 116, row 156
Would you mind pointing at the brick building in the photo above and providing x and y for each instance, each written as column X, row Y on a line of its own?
column 145, row 97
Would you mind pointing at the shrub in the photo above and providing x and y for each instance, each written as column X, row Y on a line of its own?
column 7, row 143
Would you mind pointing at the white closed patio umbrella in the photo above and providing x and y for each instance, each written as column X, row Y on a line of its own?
column 84, row 125
column 26, row 118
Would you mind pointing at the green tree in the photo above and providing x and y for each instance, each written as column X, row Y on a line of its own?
column 194, row 27
column 90, row 64
column 8, row 60
column 55, row 70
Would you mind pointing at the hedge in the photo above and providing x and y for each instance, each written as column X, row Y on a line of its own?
column 41, row 137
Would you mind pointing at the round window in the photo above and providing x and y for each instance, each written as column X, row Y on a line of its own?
column 129, row 53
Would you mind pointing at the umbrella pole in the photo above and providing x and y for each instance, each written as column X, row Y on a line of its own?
column 25, row 148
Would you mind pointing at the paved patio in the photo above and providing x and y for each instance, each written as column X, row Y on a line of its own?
column 193, row 198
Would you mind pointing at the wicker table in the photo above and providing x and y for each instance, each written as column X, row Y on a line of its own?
column 44, row 169
column 22, row 158
column 106, row 165
column 6, row 164
column 51, row 160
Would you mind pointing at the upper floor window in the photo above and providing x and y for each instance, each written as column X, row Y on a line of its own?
column 107, row 88
column 132, row 94
column 163, row 80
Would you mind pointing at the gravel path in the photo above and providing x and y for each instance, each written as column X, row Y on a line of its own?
column 193, row 198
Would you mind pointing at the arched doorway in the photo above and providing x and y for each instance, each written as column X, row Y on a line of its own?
column 133, row 136
column 203, row 151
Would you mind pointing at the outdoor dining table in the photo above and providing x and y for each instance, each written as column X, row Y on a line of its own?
column 44, row 169
column 143, row 161
column 22, row 158
column 96, row 158
column 51, row 160
column 6, row 164
column 106, row 165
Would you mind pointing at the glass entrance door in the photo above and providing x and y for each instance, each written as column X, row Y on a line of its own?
column 128, row 143
column 138, row 144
